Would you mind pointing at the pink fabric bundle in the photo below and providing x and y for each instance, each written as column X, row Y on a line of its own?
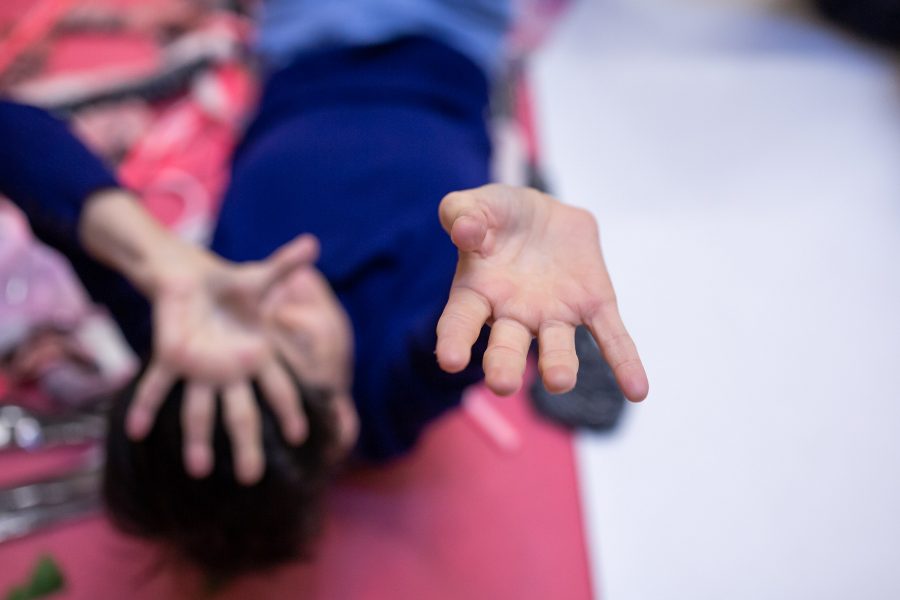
column 54, row 344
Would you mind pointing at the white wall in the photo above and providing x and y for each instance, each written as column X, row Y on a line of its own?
column 745, row 169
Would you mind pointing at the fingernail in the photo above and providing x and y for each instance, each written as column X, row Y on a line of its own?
column 295, row 431
column 558, row 380
column 452, row 362
column 505, row 383
column 249, row 472
column 301, row 431
column 138, row 425
column 198, row 461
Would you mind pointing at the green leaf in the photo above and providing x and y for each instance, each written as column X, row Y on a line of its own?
column 46, row 578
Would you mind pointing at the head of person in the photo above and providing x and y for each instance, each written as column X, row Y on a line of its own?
column 216, row 523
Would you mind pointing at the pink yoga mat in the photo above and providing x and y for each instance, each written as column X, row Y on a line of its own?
column 461, row 518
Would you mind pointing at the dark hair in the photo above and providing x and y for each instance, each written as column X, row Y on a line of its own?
column 216, row 523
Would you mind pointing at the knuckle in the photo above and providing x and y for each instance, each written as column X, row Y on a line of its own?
column 250, row 356
column 242, row 419
column 186, row 358
column 557, row 355
column 502, row 351
column 283, row 396
column 606, row 304
column 454, row 319
column 172, row 352
column 197, row 412
column 195, row 432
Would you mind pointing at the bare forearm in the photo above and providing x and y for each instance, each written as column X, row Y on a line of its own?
column 116, row 230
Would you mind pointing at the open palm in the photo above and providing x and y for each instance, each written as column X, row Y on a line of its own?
column 208, row 331
column 530, row 266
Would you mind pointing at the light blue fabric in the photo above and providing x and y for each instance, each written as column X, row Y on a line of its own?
column 475, row 28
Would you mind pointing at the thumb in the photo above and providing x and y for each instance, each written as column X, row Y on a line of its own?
column 257, row 278
column 465, row 219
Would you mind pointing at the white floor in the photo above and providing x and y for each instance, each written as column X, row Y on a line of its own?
column 745, row 169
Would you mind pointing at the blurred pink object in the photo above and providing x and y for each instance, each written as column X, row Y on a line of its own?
column 38, row 286
column 173, row 150
column 455, row 519
column 480, row 409
column 53, row 340
column 533, row 23
column 180, row 167
column 31, row 29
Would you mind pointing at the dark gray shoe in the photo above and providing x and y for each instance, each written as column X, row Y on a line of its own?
column 595, row 403
column 877, row 20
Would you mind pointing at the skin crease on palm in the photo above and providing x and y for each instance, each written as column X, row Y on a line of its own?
column 529, row 266
column 208, row 329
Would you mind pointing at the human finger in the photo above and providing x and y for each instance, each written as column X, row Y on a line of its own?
column 619, row 350
column 257, row 277
column 459, row 327
column 292, row 345
column 284, row 398
column 243, row 423
column 464, row 219
column 557, row 360
column 309, row 285
column 149, row 394
column 198, row 413
column 346, row 419
column 302, row 288
column 504, row 359
column 303, row 249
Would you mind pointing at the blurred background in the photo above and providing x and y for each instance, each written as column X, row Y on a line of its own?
column 743, row 161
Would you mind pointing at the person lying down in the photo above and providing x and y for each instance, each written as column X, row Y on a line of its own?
column 348, row 298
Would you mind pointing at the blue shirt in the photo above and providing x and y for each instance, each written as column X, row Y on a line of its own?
column 354, row 144
column 475, row 28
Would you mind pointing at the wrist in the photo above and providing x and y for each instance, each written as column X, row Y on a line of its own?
column 169, row 263
column 117, row 230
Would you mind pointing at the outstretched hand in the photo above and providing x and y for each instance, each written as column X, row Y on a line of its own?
column 530, row 266
column 208, row 331
column 313, row 334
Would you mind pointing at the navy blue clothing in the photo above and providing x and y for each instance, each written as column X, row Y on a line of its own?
column 49, row 174
column 46, row 170
column 358, row 146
